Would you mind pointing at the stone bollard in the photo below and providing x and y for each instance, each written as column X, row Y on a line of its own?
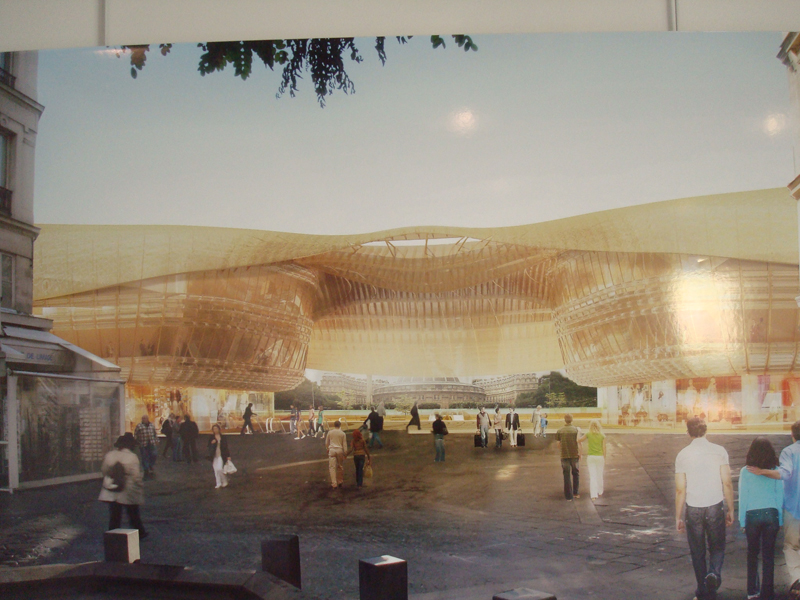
column 523, row 594
column 383, row 578
column 280, row 556
column 121, row 545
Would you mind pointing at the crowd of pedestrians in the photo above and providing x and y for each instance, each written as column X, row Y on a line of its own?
column 769, row 486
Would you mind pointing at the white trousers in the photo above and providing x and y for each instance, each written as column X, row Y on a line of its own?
column 512, row 435
column 221, row 478
column 596, row 465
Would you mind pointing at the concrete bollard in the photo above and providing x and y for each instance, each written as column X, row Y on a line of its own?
column 121, row 545
column 383, row 578
column 523, row 594
column 280, row 556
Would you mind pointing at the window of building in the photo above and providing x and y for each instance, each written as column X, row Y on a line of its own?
column 6, row 69
column 5, row 148
column 7, row 283
column 6, row 140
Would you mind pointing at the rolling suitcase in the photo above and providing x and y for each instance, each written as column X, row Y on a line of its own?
column 520, row 439
column 478, row 443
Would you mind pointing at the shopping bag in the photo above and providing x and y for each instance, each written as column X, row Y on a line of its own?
column 368, row 480
column 229, row 468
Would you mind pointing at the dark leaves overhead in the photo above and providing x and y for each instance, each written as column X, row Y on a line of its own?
column 324, row 59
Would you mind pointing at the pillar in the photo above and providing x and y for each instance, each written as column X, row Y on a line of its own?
column 280, row 556
column 383, row 578
column 121, row 545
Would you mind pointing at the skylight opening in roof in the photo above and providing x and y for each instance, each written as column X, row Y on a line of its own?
column 430, row 242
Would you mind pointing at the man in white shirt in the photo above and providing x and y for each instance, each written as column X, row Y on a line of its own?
column 336, row 445
column 702, row 482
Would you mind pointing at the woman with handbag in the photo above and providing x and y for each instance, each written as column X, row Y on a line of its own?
column 361, row 455
column 218, row 454
column 123, row 484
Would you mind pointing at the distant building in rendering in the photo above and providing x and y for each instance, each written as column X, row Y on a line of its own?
column 352, row 390
column 444, row 391
column 61, row 407
column 505, row 389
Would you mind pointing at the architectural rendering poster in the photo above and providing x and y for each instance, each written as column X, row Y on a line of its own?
column 453, row 256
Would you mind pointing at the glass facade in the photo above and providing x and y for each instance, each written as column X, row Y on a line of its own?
column 65, row 426
column 206, row 406
column 245, row 328
column 625, row 318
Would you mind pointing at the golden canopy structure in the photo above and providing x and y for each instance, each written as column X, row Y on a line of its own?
column 686, row 288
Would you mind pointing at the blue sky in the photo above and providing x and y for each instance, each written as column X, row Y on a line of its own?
column 529, row 128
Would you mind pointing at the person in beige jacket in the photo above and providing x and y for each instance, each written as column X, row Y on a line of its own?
column 336, row 446
column 123, row 484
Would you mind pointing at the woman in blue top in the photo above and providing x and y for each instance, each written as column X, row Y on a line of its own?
column 761, row 516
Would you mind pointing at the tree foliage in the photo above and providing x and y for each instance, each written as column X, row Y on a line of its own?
column 301, row 396
column 557, row 391
column 324, row 59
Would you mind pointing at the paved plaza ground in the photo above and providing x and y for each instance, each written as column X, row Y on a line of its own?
column 483, row 522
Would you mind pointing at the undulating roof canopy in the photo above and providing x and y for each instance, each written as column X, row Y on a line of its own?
column 618, row 296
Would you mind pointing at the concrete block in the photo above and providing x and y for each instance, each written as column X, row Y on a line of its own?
column 280, row 556
column 121, row 545
column 383, row 578
column 523, row 594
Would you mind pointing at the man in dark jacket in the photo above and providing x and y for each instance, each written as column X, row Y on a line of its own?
column 414, row 418
column 375, row 422
column 512, row 426
column 189, row 433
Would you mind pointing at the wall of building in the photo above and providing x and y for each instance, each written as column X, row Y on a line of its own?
column 19, row 119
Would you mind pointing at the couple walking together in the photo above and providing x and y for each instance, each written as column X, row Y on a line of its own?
column 570, row 439
column 336, row 447
column 769, row 497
